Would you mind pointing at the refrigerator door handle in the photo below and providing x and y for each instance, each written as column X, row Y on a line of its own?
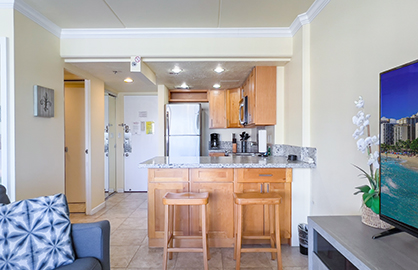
column 197, row 123
column 167, row 129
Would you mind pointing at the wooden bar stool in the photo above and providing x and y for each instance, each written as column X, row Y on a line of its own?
column 188, row 198
column 273, row 200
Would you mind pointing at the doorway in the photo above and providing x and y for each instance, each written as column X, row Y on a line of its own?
column 74, row 133
column 110, row 144
column 140, row 139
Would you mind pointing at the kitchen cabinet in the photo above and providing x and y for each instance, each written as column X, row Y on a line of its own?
column 218, row 182
column 217, row 106
column 261, row 91
column 161, row 181
column 233, row 97
column 220, row 186
column 255, row 217
column 216, row 154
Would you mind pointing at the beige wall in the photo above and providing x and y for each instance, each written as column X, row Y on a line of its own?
column 177, row 47
column 39, row 141
column 352, row 42
column 293, row 94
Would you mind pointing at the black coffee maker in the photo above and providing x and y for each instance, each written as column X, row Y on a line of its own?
column 214, row 140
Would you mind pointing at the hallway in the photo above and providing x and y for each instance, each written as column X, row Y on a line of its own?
column 127, row 213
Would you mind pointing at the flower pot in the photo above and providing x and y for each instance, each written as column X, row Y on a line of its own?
column 372, row 219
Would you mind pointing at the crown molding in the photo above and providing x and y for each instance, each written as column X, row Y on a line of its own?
column 176, row 32
column 308, row 16
column 37, row 17
column 67, row 33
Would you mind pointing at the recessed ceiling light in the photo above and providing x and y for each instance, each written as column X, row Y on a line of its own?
column 216, row 85
column 128, row 80
column 219, row 69
column 184, row 86
column 176, row 70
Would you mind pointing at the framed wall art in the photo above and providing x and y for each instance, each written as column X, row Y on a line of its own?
column 43, row 101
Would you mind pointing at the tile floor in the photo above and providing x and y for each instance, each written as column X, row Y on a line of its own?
column 127, row 213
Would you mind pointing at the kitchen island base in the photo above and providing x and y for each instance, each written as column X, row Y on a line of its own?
column 221, row 184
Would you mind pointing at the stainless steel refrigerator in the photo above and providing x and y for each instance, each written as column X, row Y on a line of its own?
column 182, row 129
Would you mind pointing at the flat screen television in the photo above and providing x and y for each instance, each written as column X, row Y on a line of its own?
column 399, row 148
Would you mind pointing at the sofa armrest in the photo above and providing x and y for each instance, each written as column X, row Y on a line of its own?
column 92, row 240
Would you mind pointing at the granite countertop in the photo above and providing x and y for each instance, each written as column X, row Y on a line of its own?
column 224, row 162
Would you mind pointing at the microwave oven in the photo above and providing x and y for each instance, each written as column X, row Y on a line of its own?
column 243, row 111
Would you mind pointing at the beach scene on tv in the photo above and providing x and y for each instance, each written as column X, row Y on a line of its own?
column 399, row 144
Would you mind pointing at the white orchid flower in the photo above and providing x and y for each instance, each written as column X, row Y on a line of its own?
column 374, row 160
column 375, row 140
column 359, row 132
column 368, row 141
column 360, row 102
column 361, row 145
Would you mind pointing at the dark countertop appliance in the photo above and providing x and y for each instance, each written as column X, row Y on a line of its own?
column 214, row 140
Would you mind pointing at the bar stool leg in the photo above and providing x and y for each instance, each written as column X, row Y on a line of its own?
column 235, row 233
column 204, row 239
column 207, row 232
column 271, row 229
column 278, row 244
column 171, row 229
column 239, row 237
column 165, row 237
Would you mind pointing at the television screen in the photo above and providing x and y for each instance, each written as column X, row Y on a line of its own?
column 399, row 147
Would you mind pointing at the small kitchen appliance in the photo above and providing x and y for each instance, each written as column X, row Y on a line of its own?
column 214, row 140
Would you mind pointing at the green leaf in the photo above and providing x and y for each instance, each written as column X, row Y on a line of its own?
column 367, row 199
column 364, row 189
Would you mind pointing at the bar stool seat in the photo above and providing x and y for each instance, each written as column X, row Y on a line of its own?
column 273, row 199
column 177, row 199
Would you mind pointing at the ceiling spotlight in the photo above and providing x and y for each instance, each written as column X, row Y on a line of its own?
column 176, row 70
column 184, row 86
column 219, row 69
column 128, row 80
column 216, row 85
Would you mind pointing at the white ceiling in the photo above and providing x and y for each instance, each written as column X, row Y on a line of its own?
column 84, row 14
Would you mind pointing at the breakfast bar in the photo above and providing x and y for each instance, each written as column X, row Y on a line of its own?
column 221, row 177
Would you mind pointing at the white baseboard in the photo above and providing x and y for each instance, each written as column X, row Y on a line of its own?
column 98, row 208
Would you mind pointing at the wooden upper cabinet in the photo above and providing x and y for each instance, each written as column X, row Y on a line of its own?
column 233, row 97
column 262, row 96
column 217, row 106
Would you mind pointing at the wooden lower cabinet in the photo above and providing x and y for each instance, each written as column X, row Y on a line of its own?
column 255, row 217
column 221, row 185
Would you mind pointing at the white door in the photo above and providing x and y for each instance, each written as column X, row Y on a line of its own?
column 141, row 117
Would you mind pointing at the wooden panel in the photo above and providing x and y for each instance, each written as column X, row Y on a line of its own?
column 264, row 107
column 156, row 191
column 188, row 96
column 233, row 97
column 220, row 212
column 212, row 175
column 168, row 175
column 216, row 154
column 285, row 191
column 260, row 175
column 217, row 109
column 253, row 215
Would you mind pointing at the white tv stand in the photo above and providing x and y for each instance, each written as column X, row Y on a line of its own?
column 344, row 243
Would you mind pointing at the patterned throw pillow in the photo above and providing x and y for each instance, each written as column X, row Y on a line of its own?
column 35, row 234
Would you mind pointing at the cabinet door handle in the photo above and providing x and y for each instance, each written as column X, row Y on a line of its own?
column 261, row 188
column 265, row 175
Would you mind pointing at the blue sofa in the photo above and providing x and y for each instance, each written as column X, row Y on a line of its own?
column 91, row 242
